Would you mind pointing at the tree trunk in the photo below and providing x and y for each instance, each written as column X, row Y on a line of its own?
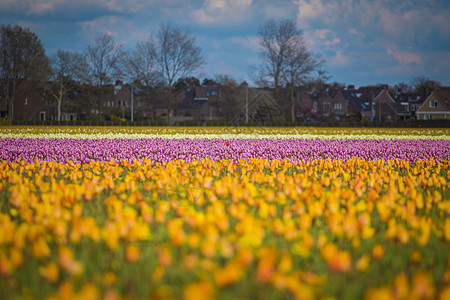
column 292, row 111
column 153, row 112
column 9, row 108
column 169, row 100
column 10, row 101
column 292, row 105
column 59, row 99
column 276, row 91
column 59, row 110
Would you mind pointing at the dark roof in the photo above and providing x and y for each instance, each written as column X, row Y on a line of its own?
column 332, row 92
column 408, row 97
column 189, row 97
column 443, row 94
column 356, row 99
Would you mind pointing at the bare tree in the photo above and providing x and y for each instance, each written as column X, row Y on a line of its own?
column 285, row 59
column 68, row 69
column 274, row 42
column 140, row 66
column 104, row 56
column 424, row 86
column 179, row 56
column 22, row 58
column 299, row 67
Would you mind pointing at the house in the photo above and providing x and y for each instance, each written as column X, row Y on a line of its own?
column 410, row 103
column 29, row 104
column 203, row 103
column 386, row 108
column 345, row 103
column 321, row 102
column 303, row 105
column 371, row 103
column 198, row 103
column 436, row 106
column 119, row 100
column 340, row 103
column 262, row 107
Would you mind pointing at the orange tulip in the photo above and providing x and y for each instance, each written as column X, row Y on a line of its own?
column 132, row 253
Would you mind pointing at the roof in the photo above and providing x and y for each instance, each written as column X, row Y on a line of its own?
column 192, row 98
column 356, row 99
column 443, row 95
column 409, row 97
column 332, row 92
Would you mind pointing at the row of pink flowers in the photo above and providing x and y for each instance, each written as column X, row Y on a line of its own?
column 159, row 150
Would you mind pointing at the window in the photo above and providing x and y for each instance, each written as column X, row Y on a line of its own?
column 405, row 106
column 42, row 116
column 434, row 104
column 428, row 117
column 214, row 93
column 139, row 103
column 207, row 92
column 26, row 100
column 337, row 105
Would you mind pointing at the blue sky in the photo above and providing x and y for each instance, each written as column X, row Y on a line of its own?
column 363, row 42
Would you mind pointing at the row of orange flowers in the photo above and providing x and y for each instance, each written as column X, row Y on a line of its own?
column 209, row 229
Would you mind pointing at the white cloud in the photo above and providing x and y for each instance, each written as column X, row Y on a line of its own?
column 49, row 7
column 29, row 7
column 223, row 11
column 334, row 41
column 321, row 39
column 325, row 11
column 340, row 59
column 322, row 33
column 249, row 42
column 123, row 30
column 404, row 57
column 310, row 9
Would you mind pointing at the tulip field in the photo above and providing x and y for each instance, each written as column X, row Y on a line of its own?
column 224, row 213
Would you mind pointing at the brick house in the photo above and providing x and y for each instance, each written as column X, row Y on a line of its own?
column 117, row 100
column 410, row 103
column 436, row 106
column 375, row 103
column 345, row 103
column 29, row 104
column 303, row 106
column 386, row 108
column 321, row 102
column 203, row 103
column 198, row 103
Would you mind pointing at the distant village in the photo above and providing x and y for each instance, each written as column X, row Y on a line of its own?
column 151, row 85
column 210, row 102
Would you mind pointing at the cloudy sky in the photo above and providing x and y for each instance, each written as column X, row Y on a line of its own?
column 363, row 41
